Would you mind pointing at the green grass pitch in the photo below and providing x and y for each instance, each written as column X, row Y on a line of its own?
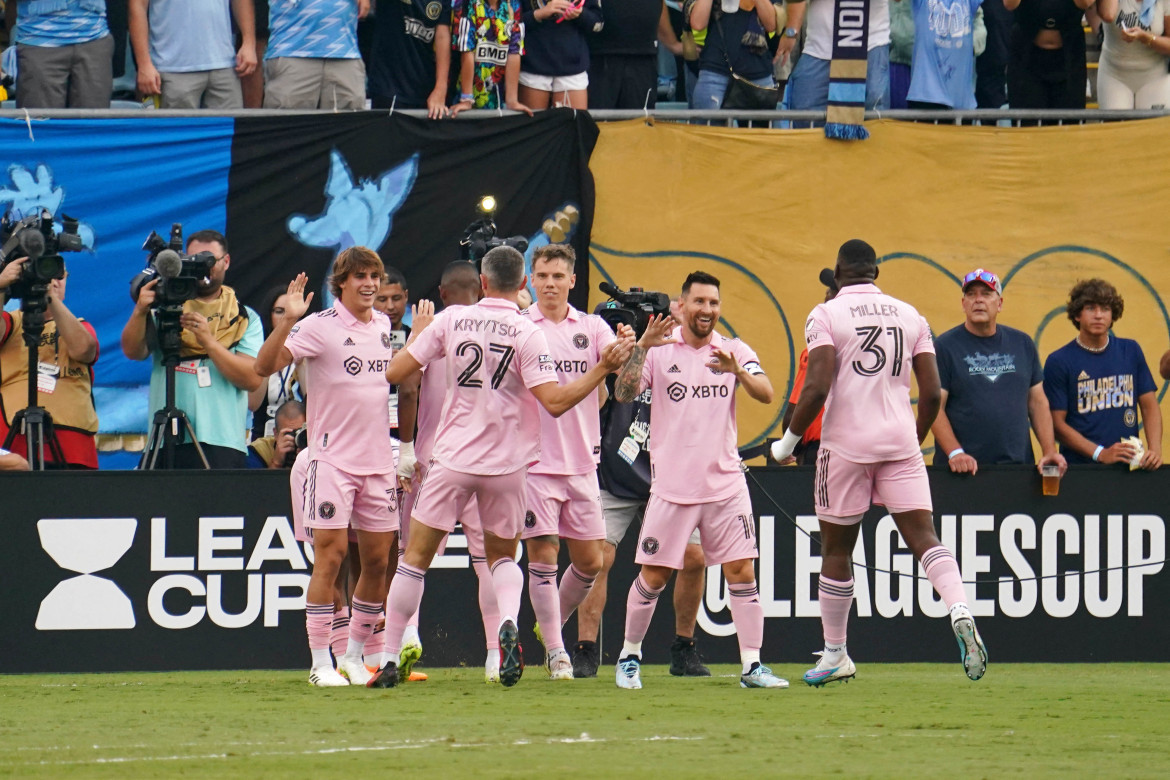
column 894, row 720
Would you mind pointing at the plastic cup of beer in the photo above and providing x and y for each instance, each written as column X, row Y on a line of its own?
column 1050, row 473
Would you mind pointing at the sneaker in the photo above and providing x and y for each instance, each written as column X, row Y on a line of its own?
column 387, row 677
column 559, row 666
column 824, row 672
column 326, row 677
column 761, row 677
column 353, row 670
column 586, row 659
column 685, row 660
column 629, row 672
column 408, row 658
column 511, row 654
column 491, row 668
column 971, row 649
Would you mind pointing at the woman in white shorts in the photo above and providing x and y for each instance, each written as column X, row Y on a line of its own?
column 555, row 68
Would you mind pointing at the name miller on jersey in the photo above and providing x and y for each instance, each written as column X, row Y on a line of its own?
column 873, row 310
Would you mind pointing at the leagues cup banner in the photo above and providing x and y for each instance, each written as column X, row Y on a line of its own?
column 289, row 193
column 765, row 211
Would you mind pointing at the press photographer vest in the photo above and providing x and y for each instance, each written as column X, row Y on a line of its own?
column 71, row 402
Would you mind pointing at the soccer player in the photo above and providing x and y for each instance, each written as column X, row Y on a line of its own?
column 351, row 471
column 564, row 500
column 498, row 369
column 696, row 479
column 862, row 346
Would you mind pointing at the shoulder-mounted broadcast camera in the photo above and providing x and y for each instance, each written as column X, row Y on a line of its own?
column 480, row 236
column 634, row 307
column 179, row 275
column 34, row 240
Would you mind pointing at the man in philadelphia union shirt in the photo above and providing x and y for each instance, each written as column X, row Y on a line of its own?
column 695, row 474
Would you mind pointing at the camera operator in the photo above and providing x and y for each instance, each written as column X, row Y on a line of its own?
column 279, row 450
column 68, row 349
column 220, row 338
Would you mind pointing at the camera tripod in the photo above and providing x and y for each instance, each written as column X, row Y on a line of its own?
column 170, row 422
column 34, row 421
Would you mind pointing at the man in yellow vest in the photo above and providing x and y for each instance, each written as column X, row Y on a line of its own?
column 65, row 357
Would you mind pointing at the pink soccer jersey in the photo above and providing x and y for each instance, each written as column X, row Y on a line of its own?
column 432, row 393
column 346, row 360
column 490, row 423
column 868, row 417
column 571, row 443
column 694, row 453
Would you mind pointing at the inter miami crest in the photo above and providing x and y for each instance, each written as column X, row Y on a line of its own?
column 386, row 340
column 530, row 519
column 649, row 545
column 327, row 510
column 581, row 341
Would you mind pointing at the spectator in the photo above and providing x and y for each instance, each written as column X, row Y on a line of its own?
column 623, row 57
column 252, row 85
column 184, row 50
column 736, row 46
column 392, row 300
column 1097, row 383
column 555, row 68
column 64, row 54
column 942, row 75
column 10, row 461
column 312, row 60
column 1132, row 70
column 65, row 358
column 411, row 60
column 808, row 86
column 902, row 48
column 279, row 450
column 284, row 385
column 810, row 443
column 992, row 384
column 490, row 39
column 991, row 62
column 219, row 339
column 1046, row 65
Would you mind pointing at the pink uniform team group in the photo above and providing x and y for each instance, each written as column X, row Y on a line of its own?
column 507, row 441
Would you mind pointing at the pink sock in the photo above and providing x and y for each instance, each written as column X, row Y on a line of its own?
column 546, row 605
column 943, row 572
column 414, row 618
column 748, row 615
column 406, row 591
column 318, row 620
column 640, row 609
column 339, row 632
column 375, row 650
column 835, row 599
column 508, row 583
column 487, row 603
column 575, row 586
column 365, row 617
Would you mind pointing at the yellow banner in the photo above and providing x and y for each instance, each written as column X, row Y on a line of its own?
column 765, row 210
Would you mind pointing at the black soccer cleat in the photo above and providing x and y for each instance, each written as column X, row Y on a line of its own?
column 511, row 656
column 387, row 677
column 685, row 660
column 586, row 659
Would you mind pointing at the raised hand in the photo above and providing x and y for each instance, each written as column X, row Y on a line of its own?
column 297, row 304
column 724, row 361
column 422, row 314
column 657, row 332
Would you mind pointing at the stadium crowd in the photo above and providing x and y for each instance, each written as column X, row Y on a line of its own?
column 447, row 56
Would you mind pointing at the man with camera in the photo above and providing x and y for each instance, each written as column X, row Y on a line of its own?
column 220, row 337
column 279, row 450
column 65, row 356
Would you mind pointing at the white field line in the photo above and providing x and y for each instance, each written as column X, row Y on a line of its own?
column 377, row 747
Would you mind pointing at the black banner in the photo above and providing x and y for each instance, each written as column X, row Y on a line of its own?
column 189, row 570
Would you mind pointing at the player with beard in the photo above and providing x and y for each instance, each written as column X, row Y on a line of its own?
column 696, row 478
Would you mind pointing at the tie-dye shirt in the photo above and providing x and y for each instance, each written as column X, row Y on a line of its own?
column 492, row 35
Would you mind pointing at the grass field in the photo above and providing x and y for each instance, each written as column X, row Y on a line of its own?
column 903, row 720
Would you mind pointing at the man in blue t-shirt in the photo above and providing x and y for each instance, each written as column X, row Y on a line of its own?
column 312, row 60
column 942, row 71
column 411, row 60
column 186, row 53
column 992, row 387
column 64, row 54
column 1097, row 383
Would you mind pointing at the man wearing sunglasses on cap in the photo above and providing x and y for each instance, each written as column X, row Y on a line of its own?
column 992, row 388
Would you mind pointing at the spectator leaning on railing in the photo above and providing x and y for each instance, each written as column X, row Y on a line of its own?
column 490, row 40
column 411, row 57
column 555, row 68
column 736, row 46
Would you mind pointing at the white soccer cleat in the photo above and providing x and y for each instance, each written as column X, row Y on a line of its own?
column 972, row 651
column 629, row 673
column 761, row 677
column 491, row 667
column 559, row 665
column 354, row 670
column 828, row 670
column 327, row 677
